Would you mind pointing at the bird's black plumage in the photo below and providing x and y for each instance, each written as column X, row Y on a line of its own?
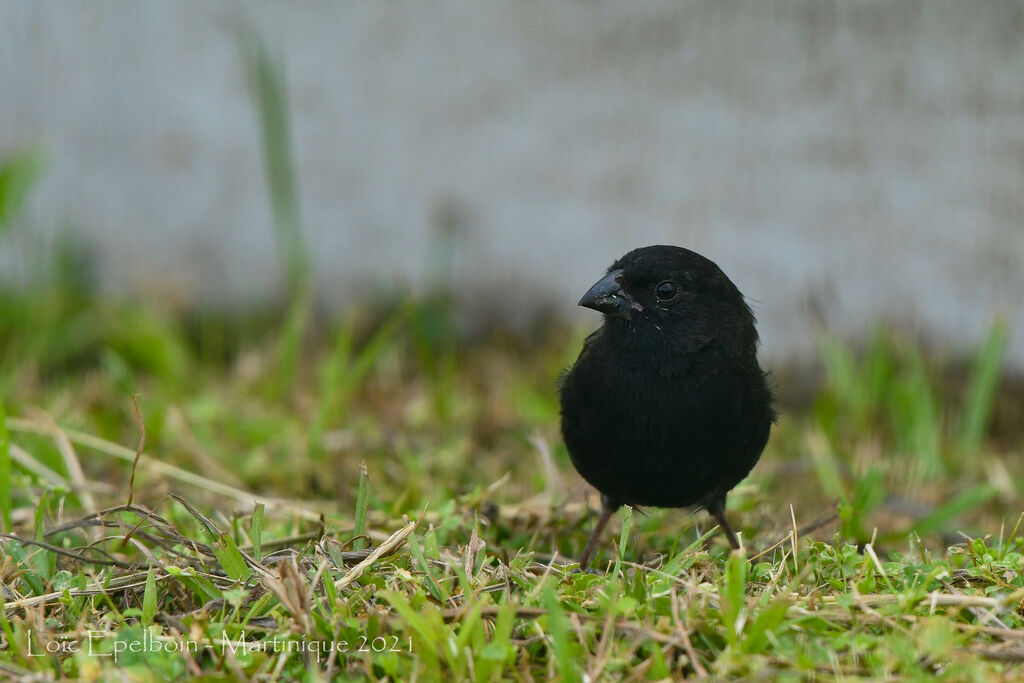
column 666, row 405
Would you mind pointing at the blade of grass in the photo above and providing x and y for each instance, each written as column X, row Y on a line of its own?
column 373, row 349
column 826, row 465
column 5, row 471
column 224, row 548
column 558, row 630
column 917, row 418
column 46, row 561
column 17, row 176
column 343, row 374
column 197, row 583
column 961, row 503
column 416, row 621
column 869, row 492
column 734, row 581
column 267, row 82
column 149, row 599
column 361, row 503
column 429, row 582
column 231, row 559
column 257, row 531
column 291, row 340
column 330, row 386
column 36, row 572
column 266, row 79
column 627, row 519
column 8, row 630
column 981, row 390
column 766, row 621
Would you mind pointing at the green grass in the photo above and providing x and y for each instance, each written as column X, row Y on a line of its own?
column 357, row 526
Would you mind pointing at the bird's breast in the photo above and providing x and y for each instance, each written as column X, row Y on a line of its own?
column 647, row 437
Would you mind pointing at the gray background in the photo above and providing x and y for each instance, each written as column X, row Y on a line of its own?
column 844, row 162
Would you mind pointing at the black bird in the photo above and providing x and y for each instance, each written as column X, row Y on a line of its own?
column 666, row 405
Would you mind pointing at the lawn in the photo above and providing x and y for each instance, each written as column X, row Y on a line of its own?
column 271, row 496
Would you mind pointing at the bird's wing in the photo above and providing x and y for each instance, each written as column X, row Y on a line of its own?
column 588, row 344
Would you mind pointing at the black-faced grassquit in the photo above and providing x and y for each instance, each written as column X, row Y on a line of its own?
column 666, row 405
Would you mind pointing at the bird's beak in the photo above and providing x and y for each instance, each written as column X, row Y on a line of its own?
column 608, row 297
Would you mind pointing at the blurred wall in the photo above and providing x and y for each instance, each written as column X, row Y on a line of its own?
column 844, row 162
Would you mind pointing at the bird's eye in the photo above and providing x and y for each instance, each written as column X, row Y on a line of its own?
column 666, row 290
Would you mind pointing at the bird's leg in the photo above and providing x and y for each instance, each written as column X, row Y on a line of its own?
column 608, row 508
column 717, row 510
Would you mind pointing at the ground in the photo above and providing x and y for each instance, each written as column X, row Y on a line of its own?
column 379, row 498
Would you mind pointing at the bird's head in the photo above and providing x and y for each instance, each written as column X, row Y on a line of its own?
column 673, row 295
